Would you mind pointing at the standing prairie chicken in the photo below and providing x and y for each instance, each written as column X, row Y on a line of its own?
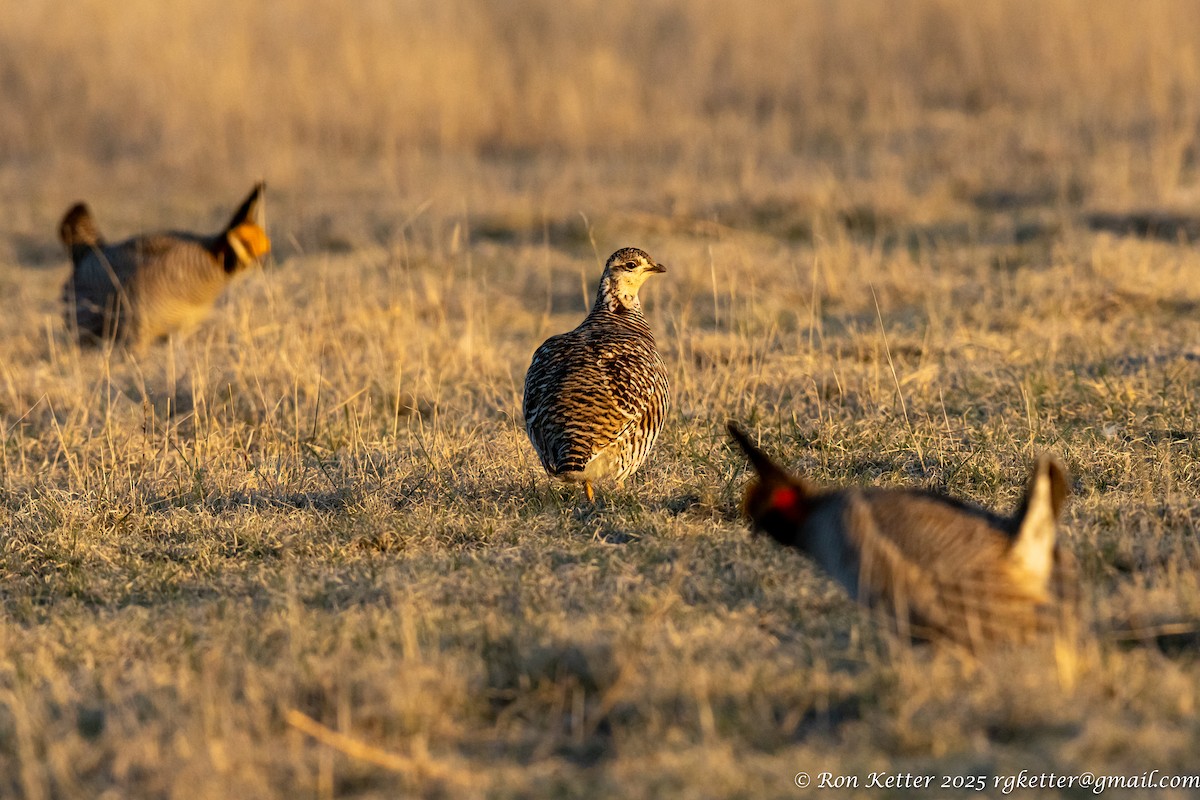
column 596, row 397
column 943, row 568
column 150, row 286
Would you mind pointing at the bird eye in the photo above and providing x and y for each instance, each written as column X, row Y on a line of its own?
column 630, row 265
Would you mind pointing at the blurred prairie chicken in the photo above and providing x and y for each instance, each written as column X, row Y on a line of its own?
column 596, row 397
column 942, row 567
column 148, row 287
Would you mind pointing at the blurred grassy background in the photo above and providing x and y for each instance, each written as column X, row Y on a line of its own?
column 1103, row 93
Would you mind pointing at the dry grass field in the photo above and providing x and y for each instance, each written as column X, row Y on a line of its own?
column 910, row 243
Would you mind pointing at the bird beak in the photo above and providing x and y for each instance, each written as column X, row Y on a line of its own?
column 656, row 267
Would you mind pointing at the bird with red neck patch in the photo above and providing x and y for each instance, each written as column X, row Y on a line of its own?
column 941, row 567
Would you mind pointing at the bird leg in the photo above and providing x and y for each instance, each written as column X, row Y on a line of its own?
column 591, row 494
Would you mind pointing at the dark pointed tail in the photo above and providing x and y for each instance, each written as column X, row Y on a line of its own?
column 78, row 231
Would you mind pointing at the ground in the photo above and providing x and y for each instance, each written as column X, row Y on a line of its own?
column 306, row 550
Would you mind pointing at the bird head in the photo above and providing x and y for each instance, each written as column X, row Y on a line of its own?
column 624, row 273
column 245, row 239
column 776, row 502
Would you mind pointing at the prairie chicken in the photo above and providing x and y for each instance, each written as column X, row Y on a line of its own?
column 150, row 286
column 596, row 397
column 942, row 567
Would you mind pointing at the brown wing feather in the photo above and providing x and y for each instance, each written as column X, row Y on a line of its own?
column 944, row 570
